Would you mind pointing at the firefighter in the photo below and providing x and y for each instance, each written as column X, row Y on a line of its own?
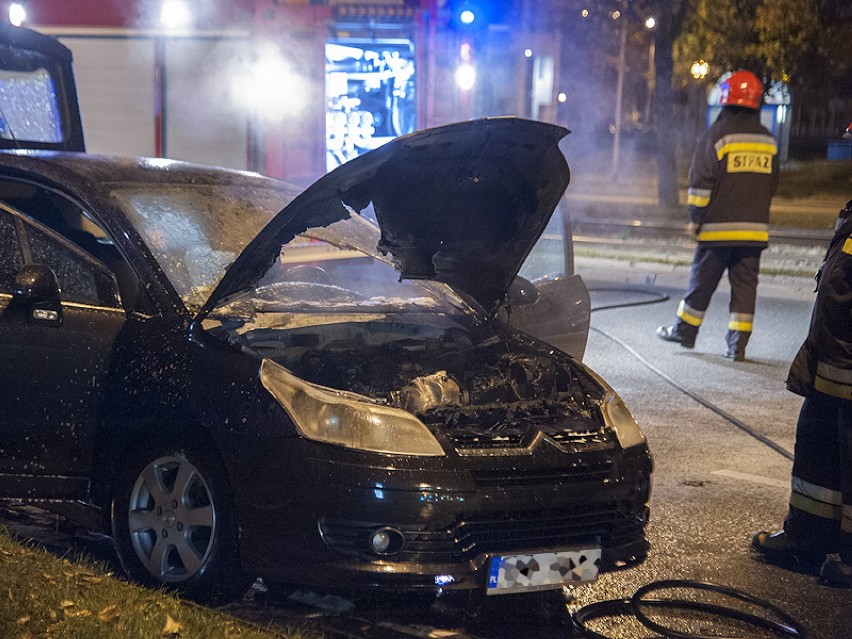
column 819, row 519
column 732, row 179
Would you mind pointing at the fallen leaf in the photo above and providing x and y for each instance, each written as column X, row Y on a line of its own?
column 109, row 614
column 172, row 628
column 66, row 603
column 22, row 620
column 232, row 633
column 74, row 614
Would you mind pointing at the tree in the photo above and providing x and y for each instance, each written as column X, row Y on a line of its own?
column 721, row 32
column 670, row 17
column 804, row 43
column 811, row 50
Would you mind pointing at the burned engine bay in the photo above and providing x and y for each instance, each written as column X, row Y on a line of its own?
column 479, row 380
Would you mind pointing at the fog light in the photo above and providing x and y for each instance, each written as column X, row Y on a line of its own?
column 386, row 541
column 381, row 541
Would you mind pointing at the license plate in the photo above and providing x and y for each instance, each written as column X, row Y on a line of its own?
column 542, row 571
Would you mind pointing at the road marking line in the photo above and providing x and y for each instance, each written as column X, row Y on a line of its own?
column 757, row 479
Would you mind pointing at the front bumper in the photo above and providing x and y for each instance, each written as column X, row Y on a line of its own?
column 315, row 527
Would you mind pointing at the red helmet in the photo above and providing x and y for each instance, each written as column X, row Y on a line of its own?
column 742, row 88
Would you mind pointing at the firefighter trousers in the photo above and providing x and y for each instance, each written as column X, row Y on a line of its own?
column 708, row 265
column 820, row 514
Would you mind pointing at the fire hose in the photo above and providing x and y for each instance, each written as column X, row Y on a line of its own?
column 772, row 619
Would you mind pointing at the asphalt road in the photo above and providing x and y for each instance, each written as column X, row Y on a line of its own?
column 714, row 483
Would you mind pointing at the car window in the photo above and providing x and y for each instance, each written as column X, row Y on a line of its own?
column 80, row 280
column 552, row 255
column 11, row 258
column 61, row 215
column 29, row 109
column 38, row 96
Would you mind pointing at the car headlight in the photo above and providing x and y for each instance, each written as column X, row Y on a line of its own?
column 347, row 419
column 618, row 417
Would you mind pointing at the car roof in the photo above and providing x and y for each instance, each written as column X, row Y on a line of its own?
column 96, row 170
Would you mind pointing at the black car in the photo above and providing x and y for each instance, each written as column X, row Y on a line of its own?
column 337, row 394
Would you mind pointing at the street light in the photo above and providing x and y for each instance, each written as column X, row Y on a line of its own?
column 650, row 79
column 174, row 14
column 465, row 76
column 699, row 69
column 619, row 92
column 17, row 14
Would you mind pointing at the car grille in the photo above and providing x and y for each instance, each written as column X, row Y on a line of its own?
column 605, row 524
column 571, row 441
column 598, row 470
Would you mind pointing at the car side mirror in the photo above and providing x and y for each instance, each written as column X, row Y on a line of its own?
column 37, row 289
column 522, row 292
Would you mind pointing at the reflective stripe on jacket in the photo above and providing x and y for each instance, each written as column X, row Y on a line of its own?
column 732, row 179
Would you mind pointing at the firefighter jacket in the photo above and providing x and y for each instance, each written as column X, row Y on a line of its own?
column 824, row 362
column 732, row 179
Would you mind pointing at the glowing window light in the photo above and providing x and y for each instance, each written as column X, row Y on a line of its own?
column 174, row 14
column 17, row 14
column 465, row 77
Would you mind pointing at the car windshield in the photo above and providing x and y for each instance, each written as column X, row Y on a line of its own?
column 195, row 231
column 333, row 274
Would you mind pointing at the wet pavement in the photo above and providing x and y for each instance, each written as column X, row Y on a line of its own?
column 715, row 482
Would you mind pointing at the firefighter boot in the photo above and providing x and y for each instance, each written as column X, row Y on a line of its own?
column 736, row 342
column 779, row 547
column 675, row 334
column 836, row 572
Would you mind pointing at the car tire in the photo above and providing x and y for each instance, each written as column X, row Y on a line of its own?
column 173, row 524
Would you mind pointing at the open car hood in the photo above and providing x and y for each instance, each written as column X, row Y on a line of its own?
column 462, row 204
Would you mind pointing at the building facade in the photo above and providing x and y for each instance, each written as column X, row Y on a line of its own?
column 293, row 88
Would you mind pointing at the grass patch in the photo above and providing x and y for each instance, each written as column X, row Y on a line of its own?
column 44, row 597
column 818, row 178
column 808, row 220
